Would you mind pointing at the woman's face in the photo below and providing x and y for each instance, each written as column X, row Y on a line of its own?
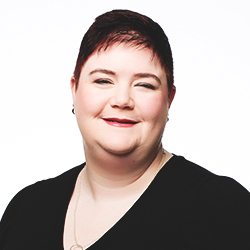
column 121, row 103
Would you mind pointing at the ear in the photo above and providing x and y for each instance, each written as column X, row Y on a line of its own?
column 73, row 87
column 172, row 95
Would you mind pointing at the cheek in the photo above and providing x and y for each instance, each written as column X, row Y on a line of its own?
column 154, row 110
column 88, row 103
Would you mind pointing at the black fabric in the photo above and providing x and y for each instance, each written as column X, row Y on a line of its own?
column 185, row 207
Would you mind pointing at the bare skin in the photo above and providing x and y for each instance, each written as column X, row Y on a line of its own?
column 121, row 105
column 101, row 205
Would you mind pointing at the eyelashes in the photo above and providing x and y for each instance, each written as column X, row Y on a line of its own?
column 102, row 81
column 147, row 86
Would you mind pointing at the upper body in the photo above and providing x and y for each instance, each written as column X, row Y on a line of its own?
column 122, row 90
column 184, row 207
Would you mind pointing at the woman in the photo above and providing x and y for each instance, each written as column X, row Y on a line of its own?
column 131, row 193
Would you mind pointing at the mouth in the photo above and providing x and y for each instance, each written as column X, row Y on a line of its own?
column 120, row 122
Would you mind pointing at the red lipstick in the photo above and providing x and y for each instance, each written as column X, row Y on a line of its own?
column 120, row 122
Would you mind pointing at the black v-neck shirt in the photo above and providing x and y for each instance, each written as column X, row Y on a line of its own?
column 185, row 207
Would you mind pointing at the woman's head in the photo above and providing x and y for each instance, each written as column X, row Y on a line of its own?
column 124, row 26
column 123, row 84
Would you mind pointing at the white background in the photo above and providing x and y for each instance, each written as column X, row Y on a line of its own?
column 209, row 119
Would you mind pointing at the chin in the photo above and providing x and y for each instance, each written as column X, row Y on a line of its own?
column 119, row 149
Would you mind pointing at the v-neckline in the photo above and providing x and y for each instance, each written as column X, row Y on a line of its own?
column 130, row 213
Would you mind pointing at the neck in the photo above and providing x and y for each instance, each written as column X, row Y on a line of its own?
column 108, row 176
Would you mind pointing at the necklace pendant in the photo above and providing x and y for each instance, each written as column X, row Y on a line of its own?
column 76, row 247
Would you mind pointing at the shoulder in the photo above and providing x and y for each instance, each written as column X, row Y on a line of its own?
column 199, row 178
column 46, row 188
column 43, row 203
column 204, row 193
column 214, row 210
column 194, row 186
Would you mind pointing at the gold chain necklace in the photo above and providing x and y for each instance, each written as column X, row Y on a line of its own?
column 77, row 245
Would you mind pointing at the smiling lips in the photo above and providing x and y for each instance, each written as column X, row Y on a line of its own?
column 120, row 122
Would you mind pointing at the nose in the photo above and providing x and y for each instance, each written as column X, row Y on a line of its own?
column 122, row 98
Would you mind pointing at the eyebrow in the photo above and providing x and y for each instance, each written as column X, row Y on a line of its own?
column 148, row 75
column 105, row 71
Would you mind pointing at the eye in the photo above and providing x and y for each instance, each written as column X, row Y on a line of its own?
column 147, row 86
column 103, row 81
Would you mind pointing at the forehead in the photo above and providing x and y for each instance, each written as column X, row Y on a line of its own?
column 125, row 57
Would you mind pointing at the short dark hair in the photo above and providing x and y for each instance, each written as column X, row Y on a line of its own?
column 124, row 26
